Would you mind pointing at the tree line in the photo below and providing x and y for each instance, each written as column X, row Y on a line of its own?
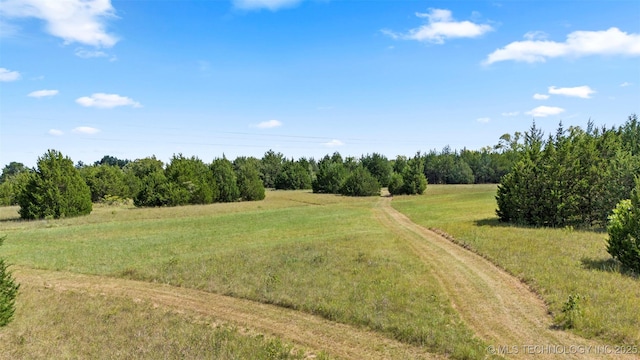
column 574, row 177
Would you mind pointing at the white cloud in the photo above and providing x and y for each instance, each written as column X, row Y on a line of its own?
column 8, row 75
column 536, row 35
column 56, row 132
column 625, row 84
column 578, row 44
column 512, row 113
column 544, row 111
column 107, row 101
column 43, row 93
column 440, row 27
column 269, row 124
column 81, row 21
column 85, row 130
column 88, row 54
column 578, row 91
column 333, row 143
column 540, row 96
column 483, row 120
column 272, row 5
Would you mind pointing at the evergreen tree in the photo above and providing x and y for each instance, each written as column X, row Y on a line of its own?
column 331, row 175
column 624, row 231
column 56, row 190
column 360, row 182
column 248, row 178
column 193, row 181
column 8, row 292
column 225, row 178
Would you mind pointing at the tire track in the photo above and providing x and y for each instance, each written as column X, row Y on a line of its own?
column 309, row 331
column 499, row 308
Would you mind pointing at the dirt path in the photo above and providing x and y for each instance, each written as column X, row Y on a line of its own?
column 498, row 307
column 312, row 332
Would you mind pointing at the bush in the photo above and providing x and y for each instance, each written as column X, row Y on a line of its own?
column 248, row 178
column 360, row 183
column 396, row 185
column 8, row 292
column 225, row 178
column 624, row 231
column 56, row 190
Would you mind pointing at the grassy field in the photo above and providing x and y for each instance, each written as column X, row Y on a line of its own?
column 557, row 263
column 322, row 254
column 72, row 325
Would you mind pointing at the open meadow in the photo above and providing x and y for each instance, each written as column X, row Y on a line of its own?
column 556, row 263
column 276, row 278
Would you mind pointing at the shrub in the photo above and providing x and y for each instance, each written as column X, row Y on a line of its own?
column 396, row 185
column 360, row 183
column 8, row 292
column 225, row 178
column 624, row 231
column 56, row 190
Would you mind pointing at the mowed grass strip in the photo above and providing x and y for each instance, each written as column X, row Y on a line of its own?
column 51, row 324
column 322, row 254
column 557, row 263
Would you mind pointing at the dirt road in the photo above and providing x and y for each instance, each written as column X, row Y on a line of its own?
column 498, row 307
column 311, row 332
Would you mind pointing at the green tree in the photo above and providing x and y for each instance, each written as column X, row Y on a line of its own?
column 13, row 185
column 360, row 183
column 413, row 178
column 271, row 166
column 193, row 181
column 225, row 177
column 294, row 176
column 379, row 166
column 624, row 231
column 112, row 161
column 104, row 180
column 56, row 190
column 13, row 169
column 248, row 178
column 331, row 175
column 396, row 184
column 147, row 181
column 8, row 292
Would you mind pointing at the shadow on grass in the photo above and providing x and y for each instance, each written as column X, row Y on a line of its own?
column 495, row 222
column 607, row 265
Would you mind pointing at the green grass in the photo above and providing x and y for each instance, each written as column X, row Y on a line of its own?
column 72, row 325
column 322, row 254
column 557, row 263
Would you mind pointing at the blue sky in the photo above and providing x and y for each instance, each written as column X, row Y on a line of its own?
column 136, row 78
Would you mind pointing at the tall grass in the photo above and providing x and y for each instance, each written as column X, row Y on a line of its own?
column 70, row 325
column 323, row 254
column 564, row 266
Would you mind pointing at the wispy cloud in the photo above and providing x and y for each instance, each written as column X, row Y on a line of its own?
column 483, row 120
column 540, row 96
column 536, row 35
column 578, row 91
column 440, row 26
column 625, row 84
column 272, row 5
column 269, row 124
column 578, row 44
column 43, row 93
column 75, row 21
column 107, row 101
column 511, row 113
column 333, row 143
column 85, row 130
column 92, row 54
column 8, row 75
column 56, row 132
column 544, row 111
